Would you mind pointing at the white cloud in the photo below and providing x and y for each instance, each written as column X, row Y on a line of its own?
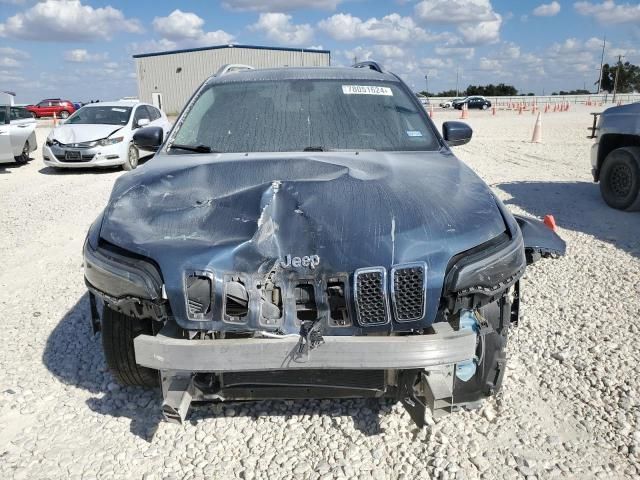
column 150, row 46
column 67, row 20
column 80, row 55
column 278, row 27
column 455, row 51
column 455, row 11
column 8, row 62
column 481, row 33
column 476, row 20
column 391, row 28
column 608, row 12
column 9, row 76
column 280, row 5
column 12, row 57
column 186, row 29
column 547, row 9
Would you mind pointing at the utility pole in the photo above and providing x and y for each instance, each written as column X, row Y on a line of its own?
column 457, row 91
column 604, row 42
column 615, row 82
column 426, row 79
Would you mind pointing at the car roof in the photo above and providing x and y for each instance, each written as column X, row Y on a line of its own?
column 117, row 103
column 304, row 73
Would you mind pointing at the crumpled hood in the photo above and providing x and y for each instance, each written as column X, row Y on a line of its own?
column 244, row 212
column 82, row 133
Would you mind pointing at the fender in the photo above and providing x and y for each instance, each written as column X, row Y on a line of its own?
column 539, row 240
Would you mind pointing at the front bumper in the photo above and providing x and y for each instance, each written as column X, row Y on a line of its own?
column 445, row 347
column 594, row 161
column 109, row 156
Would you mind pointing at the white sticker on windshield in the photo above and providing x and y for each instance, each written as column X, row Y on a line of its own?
column 366, row 90
column 414, row 133
column 119, row 109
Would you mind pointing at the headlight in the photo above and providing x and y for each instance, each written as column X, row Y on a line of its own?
column 109, row 141
column 120, row 275
column 51, row 142
column 489, row 269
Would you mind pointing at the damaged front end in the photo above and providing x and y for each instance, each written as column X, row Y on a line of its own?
column 427, row 332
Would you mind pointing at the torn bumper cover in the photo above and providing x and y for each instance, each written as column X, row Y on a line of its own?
column 163, row 352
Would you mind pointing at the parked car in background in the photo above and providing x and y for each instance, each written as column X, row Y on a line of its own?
column 100, row 135
column 449, row 103
column 615, row 156
column 424, row 101
column 17, row 134
column 475, row 101
column 49, row 106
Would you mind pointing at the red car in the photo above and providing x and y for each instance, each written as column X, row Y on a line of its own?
column 49, row 106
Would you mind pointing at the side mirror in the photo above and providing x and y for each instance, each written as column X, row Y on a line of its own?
column 143, row 122
column 456, row 133
column 149, row 138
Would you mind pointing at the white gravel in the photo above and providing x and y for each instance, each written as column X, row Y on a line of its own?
column 570, row 406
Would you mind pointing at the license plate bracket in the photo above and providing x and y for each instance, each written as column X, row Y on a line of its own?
column 72, row 155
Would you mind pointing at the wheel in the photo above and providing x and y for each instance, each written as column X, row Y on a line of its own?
column 485, row 106
column 33, row 114
column 24, row 156
column 118, row 332
column 64, row 114
column 620, row 178
column 132, row 158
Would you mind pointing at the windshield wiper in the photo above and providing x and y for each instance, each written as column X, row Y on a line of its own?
column 313, row 149
column 193, row 148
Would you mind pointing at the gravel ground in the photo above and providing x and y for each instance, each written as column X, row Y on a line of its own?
column 570, row 406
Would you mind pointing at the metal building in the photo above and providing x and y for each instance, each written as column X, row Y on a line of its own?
column 168, row 79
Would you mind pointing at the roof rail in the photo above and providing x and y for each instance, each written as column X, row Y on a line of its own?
column 232, row 67
column 370, row 64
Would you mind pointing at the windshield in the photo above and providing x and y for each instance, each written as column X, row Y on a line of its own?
column 298, row 115
column 103, row 115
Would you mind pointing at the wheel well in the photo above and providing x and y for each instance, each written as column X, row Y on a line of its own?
column 612, row 141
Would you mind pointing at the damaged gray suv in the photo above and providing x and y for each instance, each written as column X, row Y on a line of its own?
column 308, row 233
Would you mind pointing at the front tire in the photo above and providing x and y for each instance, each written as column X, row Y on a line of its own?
column 620, row 178
column 118, row 332
column 64, row 114
column 24, row 156
column 485, row 106
column 133, row 156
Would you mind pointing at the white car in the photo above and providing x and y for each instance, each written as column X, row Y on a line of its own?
column 449, row 103
column 100, row 135
column 17, row 134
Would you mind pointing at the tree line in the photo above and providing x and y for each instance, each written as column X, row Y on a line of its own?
column 628, row 82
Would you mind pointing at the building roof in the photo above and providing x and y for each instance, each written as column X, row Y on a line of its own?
column 216, row 47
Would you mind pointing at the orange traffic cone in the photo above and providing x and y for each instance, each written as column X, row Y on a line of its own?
column 546, row 108
column 430, row 111
column 464, row 114
column 537, row 130
column 550, row 222
column 55, row 120
column 493, row 111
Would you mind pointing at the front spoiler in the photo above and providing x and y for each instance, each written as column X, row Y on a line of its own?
column 445, row 347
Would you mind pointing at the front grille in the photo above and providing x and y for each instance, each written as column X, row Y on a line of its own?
column 408, row 291
column 84, row 158
column 371, row 296
column 363, row 379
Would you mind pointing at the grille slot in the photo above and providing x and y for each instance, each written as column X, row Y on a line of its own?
column 371, row 296
column 408, row 291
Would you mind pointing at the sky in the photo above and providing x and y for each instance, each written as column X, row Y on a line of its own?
column 82, row 49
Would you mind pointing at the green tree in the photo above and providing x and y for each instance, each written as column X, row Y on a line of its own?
column 628, row 78
column 492, row 90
